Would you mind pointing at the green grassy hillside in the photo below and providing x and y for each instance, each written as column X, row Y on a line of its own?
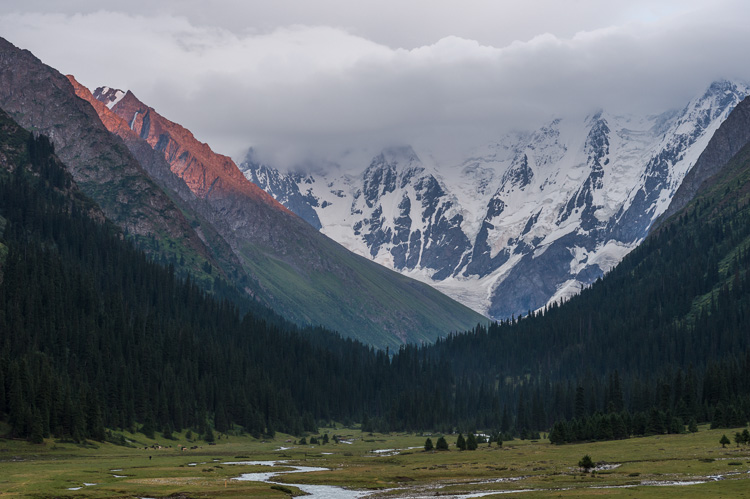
column 368, row 302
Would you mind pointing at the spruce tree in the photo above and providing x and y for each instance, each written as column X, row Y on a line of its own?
column 557, row 434
column 724, row 441
column 693, row 425
column 37, row 430
column 441, row 444
column 586, row 463
column 461, row 442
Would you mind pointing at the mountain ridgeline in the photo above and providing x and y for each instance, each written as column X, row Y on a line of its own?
column 192, row 208
column 98, row 337
column 104, row 327
column 528, row 219
column 296, row 270
column 41, row 99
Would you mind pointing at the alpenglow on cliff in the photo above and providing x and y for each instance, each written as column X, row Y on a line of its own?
column 295, row 270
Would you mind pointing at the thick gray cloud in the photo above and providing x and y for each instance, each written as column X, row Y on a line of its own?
column 305, row 78
column 394, row 23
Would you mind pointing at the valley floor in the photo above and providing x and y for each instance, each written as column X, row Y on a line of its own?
column 378, row 466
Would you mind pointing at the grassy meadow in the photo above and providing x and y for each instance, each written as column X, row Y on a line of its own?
column 160, row 468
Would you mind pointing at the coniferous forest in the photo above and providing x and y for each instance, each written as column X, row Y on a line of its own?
column 95, row 337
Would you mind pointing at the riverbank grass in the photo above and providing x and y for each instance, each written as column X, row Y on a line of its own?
column 390, row 465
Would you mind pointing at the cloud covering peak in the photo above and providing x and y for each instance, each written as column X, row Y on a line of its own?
column 305, row 88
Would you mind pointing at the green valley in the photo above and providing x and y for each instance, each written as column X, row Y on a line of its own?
column 380, row 465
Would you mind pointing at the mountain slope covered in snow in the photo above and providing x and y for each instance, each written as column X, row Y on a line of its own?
column 527, row 219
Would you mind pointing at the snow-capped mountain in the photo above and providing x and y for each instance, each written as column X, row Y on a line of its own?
column 285, row 189
column 530, row 218
column 277, row 258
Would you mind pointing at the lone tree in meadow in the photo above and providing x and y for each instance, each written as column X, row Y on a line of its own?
column 442, row 444
column 586, row 463
column 724, row 441
column 428, row 445
column 461, row 442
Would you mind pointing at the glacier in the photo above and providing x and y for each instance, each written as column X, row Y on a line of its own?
column 531, row 218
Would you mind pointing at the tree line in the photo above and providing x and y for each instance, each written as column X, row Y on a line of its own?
column 98, row 336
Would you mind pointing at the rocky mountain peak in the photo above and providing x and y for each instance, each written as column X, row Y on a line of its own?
column 41, row 99
column 532, row 216
column 728, row 140
column 400, row 155
column 208, row 174
column 293, row 268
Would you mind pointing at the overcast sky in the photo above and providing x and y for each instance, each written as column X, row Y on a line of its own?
column 308, row 78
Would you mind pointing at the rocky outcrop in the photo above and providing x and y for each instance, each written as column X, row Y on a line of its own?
column 206, row 173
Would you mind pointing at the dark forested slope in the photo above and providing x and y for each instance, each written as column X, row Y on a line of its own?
column 95, row 335
column 670, row 324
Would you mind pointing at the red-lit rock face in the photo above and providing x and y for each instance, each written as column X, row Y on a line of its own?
column 114, row 123
column 207, row 173
column 291, row 266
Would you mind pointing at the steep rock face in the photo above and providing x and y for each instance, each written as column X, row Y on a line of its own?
column 41, row 99
column 298, row 271
column 729, row 139
column 284, row 189
column 207, row 173
column 397, row 207
column 159, row 170
column 530, row 218
column 687, row 136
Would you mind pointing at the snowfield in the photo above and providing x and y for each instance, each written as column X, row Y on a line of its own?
column 525, row 220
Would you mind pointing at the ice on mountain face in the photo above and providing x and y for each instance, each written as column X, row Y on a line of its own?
column 284, row 188
column 685, row 136
column 532, row 217
column 405, row 217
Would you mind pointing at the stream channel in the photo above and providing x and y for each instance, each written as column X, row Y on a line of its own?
column 323, row 491
column 315, row 491
column 336, row 492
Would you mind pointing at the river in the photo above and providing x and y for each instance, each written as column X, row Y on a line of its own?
column 336, row 492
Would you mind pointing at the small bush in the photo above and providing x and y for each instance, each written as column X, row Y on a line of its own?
column 586, row 463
